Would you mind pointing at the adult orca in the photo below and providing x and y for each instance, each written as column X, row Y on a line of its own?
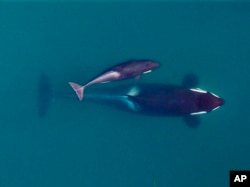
column 185, row 100
column 172, row 100
column 155, row 99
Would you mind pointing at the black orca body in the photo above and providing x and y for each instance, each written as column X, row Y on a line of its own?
column 171, row 100
column 149, row 99
column 164, row 100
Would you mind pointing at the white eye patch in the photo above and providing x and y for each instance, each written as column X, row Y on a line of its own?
column 198, row 90
column 215, row 95
column 197, row 113
column 147, row 71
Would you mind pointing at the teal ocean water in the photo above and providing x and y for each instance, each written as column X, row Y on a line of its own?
column 88, row 144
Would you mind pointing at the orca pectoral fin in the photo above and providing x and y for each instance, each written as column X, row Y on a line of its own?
column 190, row 81
column 192, row 121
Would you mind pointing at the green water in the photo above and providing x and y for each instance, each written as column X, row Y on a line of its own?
column 89, row 144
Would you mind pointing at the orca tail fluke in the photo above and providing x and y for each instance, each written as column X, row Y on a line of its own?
column 45, row 95
column 79, row 89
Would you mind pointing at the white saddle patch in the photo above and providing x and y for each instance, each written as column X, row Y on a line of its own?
column 134, row 91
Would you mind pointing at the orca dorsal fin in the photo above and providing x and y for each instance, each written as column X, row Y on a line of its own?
column 190, row 81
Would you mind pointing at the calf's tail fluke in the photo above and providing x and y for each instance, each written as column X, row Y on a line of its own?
column 79, row 89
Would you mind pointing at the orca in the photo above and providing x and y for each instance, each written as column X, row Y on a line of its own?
column 173, row 100
column 155, row 99
column 159, row 99
column 125, row 70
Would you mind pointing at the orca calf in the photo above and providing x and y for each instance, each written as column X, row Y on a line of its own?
column 125, row 70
